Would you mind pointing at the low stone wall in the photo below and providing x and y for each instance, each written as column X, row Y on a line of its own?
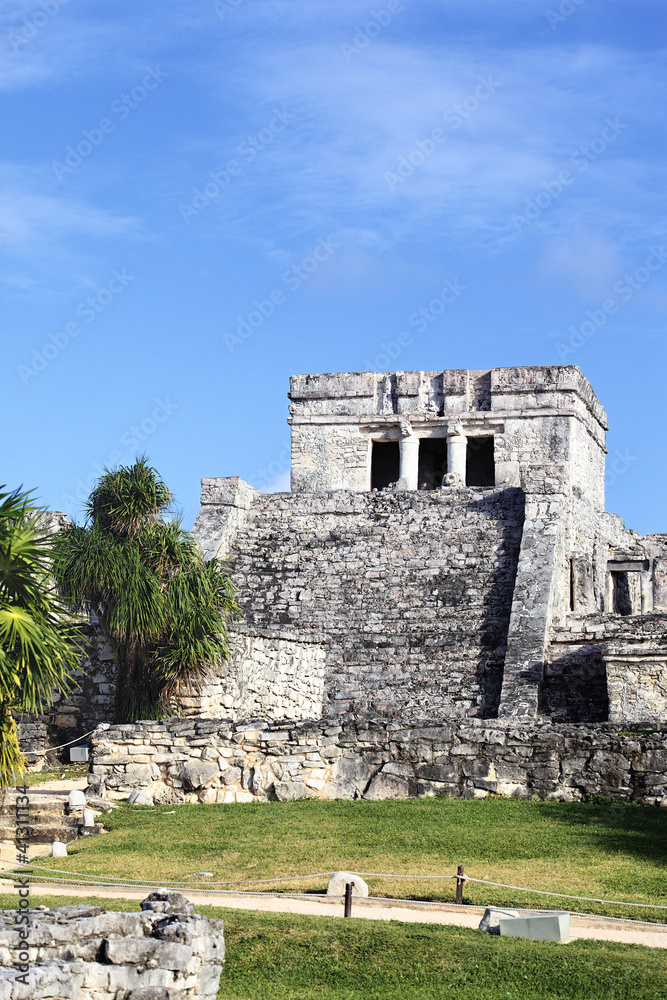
column 217, row 761
column 166, row 952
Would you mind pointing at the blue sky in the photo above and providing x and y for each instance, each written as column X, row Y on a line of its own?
column 198, row 200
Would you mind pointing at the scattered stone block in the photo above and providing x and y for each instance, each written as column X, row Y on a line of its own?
column 76, row 799
column 139, row 798
column 337, row 882
column 538, row 927
column 167, row 901
column 58, row 849
column 492, row 916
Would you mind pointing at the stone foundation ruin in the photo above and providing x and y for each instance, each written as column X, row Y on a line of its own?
column 166, row 952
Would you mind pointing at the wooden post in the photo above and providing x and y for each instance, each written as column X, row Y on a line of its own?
column 348, row 899
column 459, row 885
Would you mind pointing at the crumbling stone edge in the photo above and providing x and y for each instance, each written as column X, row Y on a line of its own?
column 166, row 952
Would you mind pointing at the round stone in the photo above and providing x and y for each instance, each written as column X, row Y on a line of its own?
column 338, row 881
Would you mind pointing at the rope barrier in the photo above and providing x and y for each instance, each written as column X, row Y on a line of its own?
column 134, row 883
column 39, row 753
column 379, row 899
column 562, row 895
column 256, row 881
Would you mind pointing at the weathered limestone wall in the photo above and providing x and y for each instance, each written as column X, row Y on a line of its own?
column 269, row 676
column 92, row 700
column 636, row 684
column 221, row 761
column 166, row 952
column 410, row 591
column 536, row 415
column 607, row 666
column 33, row 738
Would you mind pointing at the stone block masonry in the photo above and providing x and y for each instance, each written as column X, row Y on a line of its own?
column 275, row 676
column 221, row 761
column 410, row 593
column 166, row 952
column 91, row 701
column 606, row 666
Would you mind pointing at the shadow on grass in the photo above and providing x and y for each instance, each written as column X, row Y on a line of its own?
column 614, row 827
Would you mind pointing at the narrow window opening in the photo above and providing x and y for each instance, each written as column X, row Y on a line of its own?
column 385, row 464
column 620, row 594
column 480, row 464
column 432, row 463
column 572, row 598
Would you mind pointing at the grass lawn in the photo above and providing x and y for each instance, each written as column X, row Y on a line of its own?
column 280, row 957
column 69, row 772
column 610, row 851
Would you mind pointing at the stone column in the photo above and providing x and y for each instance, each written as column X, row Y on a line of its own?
column 660, row 584
column 409, row 451
column 647, row 593
column 457, row 446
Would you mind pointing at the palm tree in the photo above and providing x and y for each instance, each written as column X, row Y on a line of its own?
column 38, row 637
column 161, row 605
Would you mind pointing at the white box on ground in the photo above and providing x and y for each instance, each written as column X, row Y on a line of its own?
column 538, row 927
column 78, row 755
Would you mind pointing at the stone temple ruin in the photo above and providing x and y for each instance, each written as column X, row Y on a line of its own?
column 444, row 551
column 444, row 555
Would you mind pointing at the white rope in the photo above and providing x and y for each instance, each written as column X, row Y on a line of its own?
column 38, row 753
column 130, row 883
column 114, row 878
column 385, row 875
column 562, row 895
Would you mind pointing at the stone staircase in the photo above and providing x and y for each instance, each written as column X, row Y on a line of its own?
column 411, row 590
column 48, row 818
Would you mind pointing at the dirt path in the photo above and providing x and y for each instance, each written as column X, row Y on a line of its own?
column 372, row 909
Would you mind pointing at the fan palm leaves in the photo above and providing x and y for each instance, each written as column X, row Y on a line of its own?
column 38, row 637
column 161, row 605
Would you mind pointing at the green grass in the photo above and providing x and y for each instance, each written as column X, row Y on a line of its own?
column 68, row 772
column 280, row 957
column 590, row 849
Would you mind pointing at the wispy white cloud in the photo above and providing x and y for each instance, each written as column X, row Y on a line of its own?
column 355, row 122
column 42, row 233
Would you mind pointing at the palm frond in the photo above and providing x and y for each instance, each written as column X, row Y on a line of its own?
column 164, row 609
column 124, row 499
column 39, row 638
